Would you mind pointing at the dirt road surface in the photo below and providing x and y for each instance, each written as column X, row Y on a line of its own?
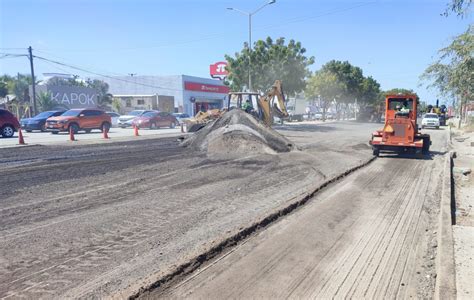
column 104, row 220
column 372, row 235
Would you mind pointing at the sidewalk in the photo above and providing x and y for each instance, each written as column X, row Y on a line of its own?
column 463, row 230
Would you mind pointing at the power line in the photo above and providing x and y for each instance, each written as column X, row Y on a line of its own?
column 102, row 75
column 64, row 59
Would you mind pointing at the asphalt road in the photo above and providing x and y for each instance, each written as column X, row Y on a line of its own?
column 372, row 235
column 105, row 219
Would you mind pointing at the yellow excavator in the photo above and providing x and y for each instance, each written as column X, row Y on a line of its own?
column 263, row 107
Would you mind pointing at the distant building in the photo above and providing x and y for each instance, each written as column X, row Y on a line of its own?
column 190, row 94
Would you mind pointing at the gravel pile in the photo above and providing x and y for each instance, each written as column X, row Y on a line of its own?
column 238, row 132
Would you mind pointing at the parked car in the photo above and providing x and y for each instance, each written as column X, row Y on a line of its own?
column 155, row 119
column 430, row 120
column 79, row 119
column 318, row 116
column 114, row 117
column 8, row 123
column 126, row 120
column 181, row 117
column 38, row 122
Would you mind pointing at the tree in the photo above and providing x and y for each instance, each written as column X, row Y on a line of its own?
column 117, row 105
column 104, row 98
column 350, row 76
column 20, row 86
column 45, row 102
column 66, row 81
column 326, row 87
column 453, row 73
column 3, row 89
column 459, row 7
column 270, row 61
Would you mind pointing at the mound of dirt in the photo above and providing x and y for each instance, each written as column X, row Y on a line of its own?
column 237, row 132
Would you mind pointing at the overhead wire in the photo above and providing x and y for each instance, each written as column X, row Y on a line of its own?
column 103, row 75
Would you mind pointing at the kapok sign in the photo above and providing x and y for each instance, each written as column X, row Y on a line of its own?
column 218, row 70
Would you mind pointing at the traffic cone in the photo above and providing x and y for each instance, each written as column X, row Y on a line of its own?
column 71, row 134
column 136, row 130
column 106, row 133
column 21, row 140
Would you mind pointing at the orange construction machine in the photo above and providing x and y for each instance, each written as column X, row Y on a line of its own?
column 400, row 132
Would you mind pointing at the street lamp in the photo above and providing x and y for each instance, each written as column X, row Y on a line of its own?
column 250, row 14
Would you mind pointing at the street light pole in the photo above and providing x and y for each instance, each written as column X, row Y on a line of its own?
column 250, row 52
column 250, row 14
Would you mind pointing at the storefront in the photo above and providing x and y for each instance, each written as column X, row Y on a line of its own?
column 191, row 94
column 204, row 96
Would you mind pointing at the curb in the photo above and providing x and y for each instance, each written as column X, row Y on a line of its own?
column 195, row 263
column 445, row 287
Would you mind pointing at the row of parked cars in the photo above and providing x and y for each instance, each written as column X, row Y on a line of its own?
column 88, row 119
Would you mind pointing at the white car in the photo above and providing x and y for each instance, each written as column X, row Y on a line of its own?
column 181, row 117
column 430, row 120
column 114, row 117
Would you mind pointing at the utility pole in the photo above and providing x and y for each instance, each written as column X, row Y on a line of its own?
column 30, row 50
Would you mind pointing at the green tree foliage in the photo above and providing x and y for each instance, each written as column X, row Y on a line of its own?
column 459, row 7
column 19, row 86
column 45, row 102
column 117, row 105
column 350, row 76
column 270, row 60
column 3, row 89
column 453, row 73
column 66, row 81
column 326, row 87
column 104, row 98
column 356, row 86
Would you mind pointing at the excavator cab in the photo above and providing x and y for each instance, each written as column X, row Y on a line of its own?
column 400, row 132
column 245, row 101
column 265, row 107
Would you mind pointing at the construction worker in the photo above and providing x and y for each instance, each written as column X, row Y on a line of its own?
column 247, row 106
column 404, row 108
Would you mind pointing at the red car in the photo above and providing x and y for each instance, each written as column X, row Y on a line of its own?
column 8, row 123
column 155, row 119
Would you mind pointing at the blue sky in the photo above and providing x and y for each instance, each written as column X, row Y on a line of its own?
column 393, row 41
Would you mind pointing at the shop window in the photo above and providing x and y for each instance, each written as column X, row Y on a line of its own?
column 140, row 102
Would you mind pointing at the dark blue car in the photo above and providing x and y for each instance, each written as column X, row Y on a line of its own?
column 38, row 121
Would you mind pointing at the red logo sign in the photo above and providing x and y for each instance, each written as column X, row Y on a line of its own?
column 210, row 88
column 218, row 70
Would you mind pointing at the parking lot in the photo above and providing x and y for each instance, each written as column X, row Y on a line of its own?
column 46, row 138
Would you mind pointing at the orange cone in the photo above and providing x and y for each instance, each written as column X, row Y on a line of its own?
column 71, row 134
column 106, row 133
column 21, row 140
column 136, row 130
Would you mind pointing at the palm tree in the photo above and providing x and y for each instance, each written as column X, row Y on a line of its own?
column 45, row 101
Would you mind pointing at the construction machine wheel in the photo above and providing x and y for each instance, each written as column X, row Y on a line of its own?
column 426, row 145
column 376, row 152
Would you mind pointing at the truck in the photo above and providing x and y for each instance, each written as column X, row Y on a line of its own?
column 296, row 109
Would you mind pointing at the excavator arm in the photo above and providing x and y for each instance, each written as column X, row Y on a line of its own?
column 269, row 107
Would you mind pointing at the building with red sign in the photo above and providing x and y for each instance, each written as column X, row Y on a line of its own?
column 190, row 94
